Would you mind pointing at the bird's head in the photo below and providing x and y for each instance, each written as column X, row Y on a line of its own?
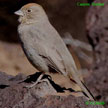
column 31, row 13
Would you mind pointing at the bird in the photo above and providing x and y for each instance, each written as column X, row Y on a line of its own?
column 44, row 47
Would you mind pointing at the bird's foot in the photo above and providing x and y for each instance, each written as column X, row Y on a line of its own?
column 39, row 80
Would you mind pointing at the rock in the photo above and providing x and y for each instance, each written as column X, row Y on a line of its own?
column 97, row 31
column 17, row 96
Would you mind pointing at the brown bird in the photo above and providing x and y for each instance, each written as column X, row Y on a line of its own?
column 45, row 48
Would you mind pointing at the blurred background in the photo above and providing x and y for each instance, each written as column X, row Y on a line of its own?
column 86, row 24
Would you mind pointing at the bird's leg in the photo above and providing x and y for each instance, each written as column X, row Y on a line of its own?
column 35, row 83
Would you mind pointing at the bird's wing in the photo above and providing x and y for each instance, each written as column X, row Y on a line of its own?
column 51, row 57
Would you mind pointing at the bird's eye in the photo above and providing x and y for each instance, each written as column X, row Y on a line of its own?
column 29, row 10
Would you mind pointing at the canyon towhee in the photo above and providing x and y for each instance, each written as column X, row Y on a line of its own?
column 44, row 47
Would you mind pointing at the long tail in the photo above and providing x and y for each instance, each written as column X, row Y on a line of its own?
column 91, row 95
column 85, row 90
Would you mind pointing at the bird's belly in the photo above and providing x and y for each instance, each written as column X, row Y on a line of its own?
column 34, row 58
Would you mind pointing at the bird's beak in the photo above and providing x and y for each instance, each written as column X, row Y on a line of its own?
column 19, row 12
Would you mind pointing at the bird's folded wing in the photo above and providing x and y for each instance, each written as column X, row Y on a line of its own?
column 51, row 57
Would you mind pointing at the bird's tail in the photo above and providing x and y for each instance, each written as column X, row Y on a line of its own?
column 90, row 94
column 83, row 87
